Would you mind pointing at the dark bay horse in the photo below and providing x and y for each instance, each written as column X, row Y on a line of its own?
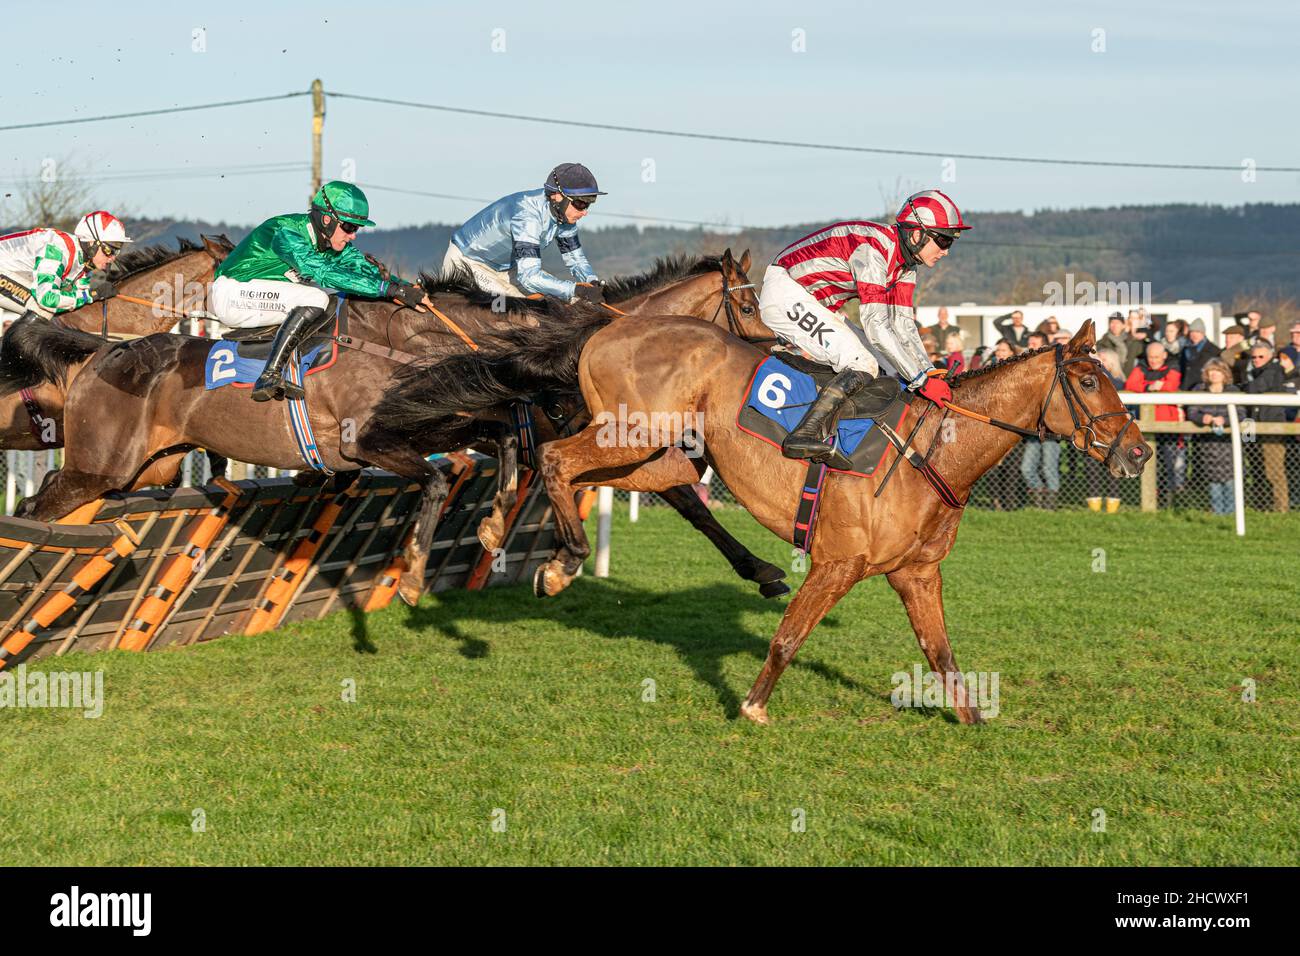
column 141, row 405
column 139, row 273
column 661, row 364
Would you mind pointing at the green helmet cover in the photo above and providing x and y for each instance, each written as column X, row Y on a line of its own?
column 343, row 200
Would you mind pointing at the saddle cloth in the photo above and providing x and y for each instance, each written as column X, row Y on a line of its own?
column 240, row 362
column 781, row 391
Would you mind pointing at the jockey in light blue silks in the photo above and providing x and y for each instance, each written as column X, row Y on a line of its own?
column 510, row 234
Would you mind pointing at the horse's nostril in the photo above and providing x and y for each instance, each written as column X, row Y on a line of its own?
column 1137, row 451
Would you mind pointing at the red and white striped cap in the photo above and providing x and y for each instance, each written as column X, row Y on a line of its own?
column 101, row 226
column 930, row 209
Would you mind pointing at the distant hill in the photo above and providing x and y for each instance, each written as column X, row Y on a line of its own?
column 1208, row 253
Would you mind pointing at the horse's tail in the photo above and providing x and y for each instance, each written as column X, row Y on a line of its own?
column 33, row 351
column 515, row 363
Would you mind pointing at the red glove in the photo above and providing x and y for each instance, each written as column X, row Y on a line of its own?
column 936, row 390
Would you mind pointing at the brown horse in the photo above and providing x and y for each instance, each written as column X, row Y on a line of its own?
column 658, row 364
column 716, row 289
column 140, row 406
column 173, row 278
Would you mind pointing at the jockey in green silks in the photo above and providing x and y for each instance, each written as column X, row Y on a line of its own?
column 285, row 269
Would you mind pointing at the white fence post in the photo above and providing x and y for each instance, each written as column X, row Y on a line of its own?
column 1238, row 473
column 634, row 506
column 604, row 518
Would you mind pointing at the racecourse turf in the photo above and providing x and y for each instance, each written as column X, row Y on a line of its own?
column 494, row 728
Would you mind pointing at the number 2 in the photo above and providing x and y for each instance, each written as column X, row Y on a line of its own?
column 223, row 362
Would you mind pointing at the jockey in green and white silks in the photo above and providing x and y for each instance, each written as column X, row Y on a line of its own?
column 511, row 233
column 46, row 271
column 282, row 270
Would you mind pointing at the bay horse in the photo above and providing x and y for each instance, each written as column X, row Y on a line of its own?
column 137, row 273
column 714, row 288
column 140, row 406
column 663, row 364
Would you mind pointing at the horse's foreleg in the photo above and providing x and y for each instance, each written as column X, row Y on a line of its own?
column 420, row 541
column 64, row 491
column 744, row 562
column 399, row 458
column 921, row 588
column 492, row 529
column 825, row 584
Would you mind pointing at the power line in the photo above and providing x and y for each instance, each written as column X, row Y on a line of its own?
column 174, row 173
column 680, row 134
column 829, row 147
column 157, row 112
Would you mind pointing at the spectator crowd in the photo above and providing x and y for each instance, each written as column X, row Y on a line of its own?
column 1143, row 354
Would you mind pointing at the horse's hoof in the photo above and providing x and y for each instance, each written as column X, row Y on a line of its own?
column 409, row 594
column 488, row 536
column 546, row 584
column 755, row 713
column 767, row 574
column 773, row 589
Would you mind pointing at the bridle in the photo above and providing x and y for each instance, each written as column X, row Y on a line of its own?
column 1081, row 416
column 733, row 323
column 1074, row 404
column 1083, row 424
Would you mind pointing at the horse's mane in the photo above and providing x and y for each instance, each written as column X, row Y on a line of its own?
column 460, row 282
column 665, row 270
column 994, row 366
column 134, row 261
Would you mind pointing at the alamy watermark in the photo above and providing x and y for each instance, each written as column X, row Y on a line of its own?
column 1087, row 292
column 930, row 689
column 78, row 690
column 638, row 429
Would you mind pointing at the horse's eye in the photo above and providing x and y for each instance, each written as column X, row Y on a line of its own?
column 747, row 309
column 1089, row 383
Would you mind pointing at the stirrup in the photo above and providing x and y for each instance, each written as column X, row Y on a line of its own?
column 269, row 386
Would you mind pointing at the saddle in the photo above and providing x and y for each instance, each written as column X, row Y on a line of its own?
column 784, row 385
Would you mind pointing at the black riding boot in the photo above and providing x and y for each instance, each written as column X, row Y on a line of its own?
column 298, row 325
column 808, row 439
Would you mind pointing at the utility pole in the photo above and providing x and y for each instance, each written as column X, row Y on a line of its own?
column 317, row 124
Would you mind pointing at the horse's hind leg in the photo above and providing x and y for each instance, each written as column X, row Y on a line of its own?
column 567, row 463
column 921, row 588
column 825, row 584
column 744, row 562
column 63, row 492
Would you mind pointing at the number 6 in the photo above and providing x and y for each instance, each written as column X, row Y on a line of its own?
column 769, row 394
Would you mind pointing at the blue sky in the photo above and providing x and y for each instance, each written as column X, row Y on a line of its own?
column 1178, row 82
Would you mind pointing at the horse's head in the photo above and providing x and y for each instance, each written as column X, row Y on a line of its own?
column 739, row 300
column 1083, row 406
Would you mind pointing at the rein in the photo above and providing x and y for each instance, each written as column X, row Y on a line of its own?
column 1073, row 402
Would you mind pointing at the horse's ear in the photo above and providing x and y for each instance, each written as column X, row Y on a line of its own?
column 218, row 247
column 744, row 262
column 726, row 255
column 1084, row 339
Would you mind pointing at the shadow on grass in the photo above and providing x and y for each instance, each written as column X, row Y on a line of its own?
column 361, row 642
column 702, row 625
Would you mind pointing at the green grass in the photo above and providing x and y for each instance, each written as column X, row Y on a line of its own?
column 1119, row 690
